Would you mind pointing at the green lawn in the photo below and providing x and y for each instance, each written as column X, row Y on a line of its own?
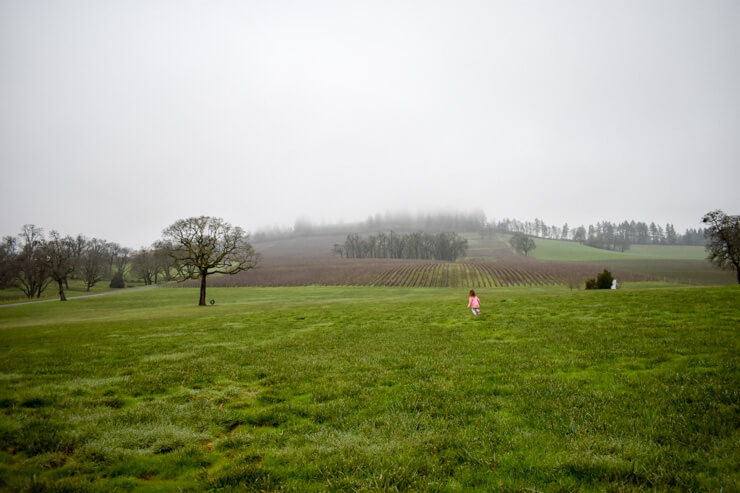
column 373, row 389
column 76, row 288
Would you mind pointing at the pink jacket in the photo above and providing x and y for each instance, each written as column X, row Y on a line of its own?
column 473, row 302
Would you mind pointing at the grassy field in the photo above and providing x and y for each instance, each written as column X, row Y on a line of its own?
column 568, row 251
column 76, row 288
column 373, row 389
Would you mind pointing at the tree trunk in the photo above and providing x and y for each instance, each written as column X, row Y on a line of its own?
column 61, row 291
column 202, row 290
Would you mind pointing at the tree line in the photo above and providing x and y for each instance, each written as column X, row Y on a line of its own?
column 33, row 260
column 460, row 222
column 440, row 246
column 721, row 237
column 192, row 248
column 605, row 234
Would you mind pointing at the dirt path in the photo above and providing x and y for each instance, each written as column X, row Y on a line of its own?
column 106, row 293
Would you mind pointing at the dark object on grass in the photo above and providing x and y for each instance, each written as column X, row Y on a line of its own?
column 213, row 302
column 602, row 281
column 117, row 281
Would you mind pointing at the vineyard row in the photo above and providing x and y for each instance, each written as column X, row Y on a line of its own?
column 473, row 275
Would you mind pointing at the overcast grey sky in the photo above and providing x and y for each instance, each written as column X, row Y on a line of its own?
column 119, row 117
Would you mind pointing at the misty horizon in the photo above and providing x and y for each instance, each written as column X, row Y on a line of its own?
column 120, row 118
column 305, row 225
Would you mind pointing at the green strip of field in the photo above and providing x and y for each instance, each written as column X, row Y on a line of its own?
column 573, row 251
column 76, row 288
column 311, row 389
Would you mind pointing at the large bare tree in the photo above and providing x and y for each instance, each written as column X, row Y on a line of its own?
column 163, row 263
column 118, row 257
column 723, row 235
column 79, row 246
column 144, row 265
column 94, row 262
column 32, row 269
column 203, row 246
column 60, row 253
column 8, row 261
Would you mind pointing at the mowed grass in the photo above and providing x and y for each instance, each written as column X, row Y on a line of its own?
column 76, row 288
column 373, row 389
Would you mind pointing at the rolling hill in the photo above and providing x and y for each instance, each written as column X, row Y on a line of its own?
column 490, row 262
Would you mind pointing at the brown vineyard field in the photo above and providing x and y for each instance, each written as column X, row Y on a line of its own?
column 417, row 273
column 307, row 261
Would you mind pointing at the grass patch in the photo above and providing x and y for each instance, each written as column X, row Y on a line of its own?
column 373, row 389
column 76, row 288
column 560, row 250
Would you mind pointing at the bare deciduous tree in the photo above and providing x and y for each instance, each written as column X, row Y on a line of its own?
column 8, row 261
column 723, row 235
column 94, row 262
column 60, row 253
column 202, row 246
column 118, row 257
column 164, row 265
column 78, row 250
column 121, row 261
column 144, row 265
column 32, row 272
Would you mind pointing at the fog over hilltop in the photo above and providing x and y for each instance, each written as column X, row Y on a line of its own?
column 117, row 118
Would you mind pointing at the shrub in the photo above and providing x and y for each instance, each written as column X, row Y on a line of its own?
column 604, row 280
column 117, row 281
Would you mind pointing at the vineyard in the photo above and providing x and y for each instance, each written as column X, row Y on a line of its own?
column 416, row 273
column 490, row 264
column 479, row 275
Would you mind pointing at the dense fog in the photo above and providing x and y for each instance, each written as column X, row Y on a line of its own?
column 118, row 118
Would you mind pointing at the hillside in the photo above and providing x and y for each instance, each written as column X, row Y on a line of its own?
column 568, row 251
column 490, row 262
column 672, row 263
column 318, row 246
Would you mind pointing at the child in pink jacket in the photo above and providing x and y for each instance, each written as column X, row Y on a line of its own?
column 474, row 303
